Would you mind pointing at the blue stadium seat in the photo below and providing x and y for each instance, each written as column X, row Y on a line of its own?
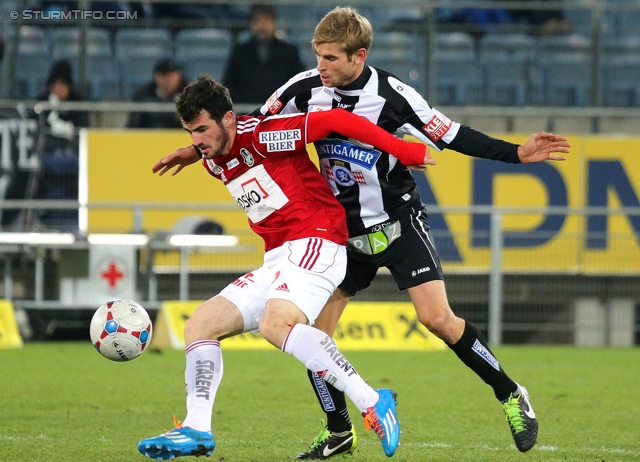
column 621, row 81
column 300, row 17
column 566, row 69
column 459, row 78
column 506, row 61
column 403, row 65
column 33, row 60
column 203, row 51
column 137, row 52
column 100, row 69
column 628, row 22
column 302, row 39
column 621, row 46
column 400, row 54
column 65, row 42
column 202, row 41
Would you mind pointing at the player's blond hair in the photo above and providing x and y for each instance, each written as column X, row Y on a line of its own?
column 346, row 27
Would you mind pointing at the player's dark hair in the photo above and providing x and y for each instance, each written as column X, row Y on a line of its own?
column 205, row 94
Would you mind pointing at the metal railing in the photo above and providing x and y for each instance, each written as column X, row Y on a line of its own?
column 495, row 268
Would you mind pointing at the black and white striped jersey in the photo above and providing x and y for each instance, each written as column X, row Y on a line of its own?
column 372, row 185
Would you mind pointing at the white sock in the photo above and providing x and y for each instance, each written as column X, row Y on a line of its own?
column 202, row 378
column 320, row 354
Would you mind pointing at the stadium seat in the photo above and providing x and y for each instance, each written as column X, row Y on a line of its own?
column 302, row 39
column 299, row 17
column 403, row 65
column 203, row 51
column 628, row 22
column 137, row 52
column 506, row 61
column 202, row 41
column 458, row 75
column 565, row 62
column 33, row 60
column 399, row 53
column 65, row 42
column 101, row 72
column 621, row 81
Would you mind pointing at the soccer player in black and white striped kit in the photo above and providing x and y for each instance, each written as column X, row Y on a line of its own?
column 387, row 221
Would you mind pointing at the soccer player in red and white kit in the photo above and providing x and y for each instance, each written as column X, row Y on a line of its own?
column 265, row 165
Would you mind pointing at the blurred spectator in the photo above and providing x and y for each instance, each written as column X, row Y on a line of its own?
column 263, row 63
column 59, row 162
column 60, row 88
column 542, row 21
column 168, row 83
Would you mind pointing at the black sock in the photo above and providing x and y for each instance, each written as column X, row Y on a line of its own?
column 473, row 350
column 333, row 403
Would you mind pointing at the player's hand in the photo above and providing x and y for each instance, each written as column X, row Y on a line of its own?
column 180, row 158
column 428, row 160
column 541, row 146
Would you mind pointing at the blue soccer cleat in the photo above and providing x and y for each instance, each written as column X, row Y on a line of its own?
column 181, row 441
column 383, row 419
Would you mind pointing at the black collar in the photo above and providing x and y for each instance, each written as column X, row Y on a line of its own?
column 360, row 82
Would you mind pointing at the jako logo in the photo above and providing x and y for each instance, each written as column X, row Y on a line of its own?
column 420, row 271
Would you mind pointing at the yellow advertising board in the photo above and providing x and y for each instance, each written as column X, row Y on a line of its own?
column 600, row 171
column 118, row 170
column 363, row 326
column 9, row 333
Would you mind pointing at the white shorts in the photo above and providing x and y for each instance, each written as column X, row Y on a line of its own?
column 304, row 271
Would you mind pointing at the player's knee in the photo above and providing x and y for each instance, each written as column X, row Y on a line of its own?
column 439, row 322
column 275, row 326
column 192, row 331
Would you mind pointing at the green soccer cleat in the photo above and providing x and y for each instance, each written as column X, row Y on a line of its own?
column 521, row 419
column 328, row 444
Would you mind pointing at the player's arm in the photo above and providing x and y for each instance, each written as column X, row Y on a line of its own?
column 435, row 129
column 180, row 158
column 322, row 124
column 539, row 147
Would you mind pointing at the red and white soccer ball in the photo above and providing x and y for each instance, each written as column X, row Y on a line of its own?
column 121, row 330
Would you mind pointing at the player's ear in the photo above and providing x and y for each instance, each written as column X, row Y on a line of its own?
column 360, row 56
column 228, row 118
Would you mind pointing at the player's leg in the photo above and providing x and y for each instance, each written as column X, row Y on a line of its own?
column 421, row 274
column 339, row 435
column 284, row 324
column 235, row 310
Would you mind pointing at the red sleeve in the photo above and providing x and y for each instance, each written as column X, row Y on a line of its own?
column 322, row 123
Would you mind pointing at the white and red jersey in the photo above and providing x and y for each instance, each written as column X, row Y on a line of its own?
column 270, row 175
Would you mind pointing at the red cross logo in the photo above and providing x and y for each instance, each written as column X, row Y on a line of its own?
column 112, row 275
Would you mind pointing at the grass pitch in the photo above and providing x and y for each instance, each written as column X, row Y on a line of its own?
column 64, row 402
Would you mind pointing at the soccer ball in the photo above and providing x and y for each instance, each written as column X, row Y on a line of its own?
column 120, row 330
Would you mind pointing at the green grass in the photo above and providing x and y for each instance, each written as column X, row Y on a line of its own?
column 63, row 402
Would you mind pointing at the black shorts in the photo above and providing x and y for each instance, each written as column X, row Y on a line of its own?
column 411, row 258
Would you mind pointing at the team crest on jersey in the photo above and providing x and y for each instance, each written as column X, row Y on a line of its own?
column 274, row 104
column 247, row 157
column 343, row 176
column 437, row 127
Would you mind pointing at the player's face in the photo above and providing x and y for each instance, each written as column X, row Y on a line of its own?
column 211, row 137
column 335, row 67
